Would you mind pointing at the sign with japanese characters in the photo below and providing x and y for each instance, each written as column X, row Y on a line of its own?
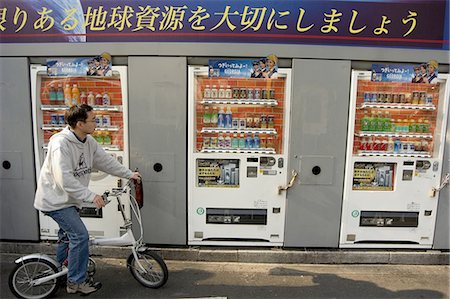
column 392, row 73
column 230, row 68
column 419, row 24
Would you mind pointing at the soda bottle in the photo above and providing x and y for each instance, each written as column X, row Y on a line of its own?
column 52, row 94
column 380, row 122
column 106, row 138
column 68, row 95
column 206, row 92
column 106, row 100
column 365, row 122
column 227, row 141
column 235, row 141
column 228, row 92
column 206, row 117
column 221, row 118
column 83, row 98
column 256, row 141
column 221, row 141
column 373, row 121
column 387, row 122
column 363, row 145
column 98, row 99
column 75, row 95
column 60, row 95
column 249, row 141
column 228, row 118
column 214, row 92
column 390, row 146
column 221, row 92
column 241, row 141
column 214, row 117
column 91, row 99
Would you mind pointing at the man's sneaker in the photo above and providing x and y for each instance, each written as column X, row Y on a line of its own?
column 84, row 288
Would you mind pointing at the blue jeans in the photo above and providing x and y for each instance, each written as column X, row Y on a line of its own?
column 72, row 227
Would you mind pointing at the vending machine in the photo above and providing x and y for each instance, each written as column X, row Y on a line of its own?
column 108, row 96
column 237, row 152
column 396, row 138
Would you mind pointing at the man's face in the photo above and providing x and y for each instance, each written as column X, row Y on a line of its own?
column 88, row 126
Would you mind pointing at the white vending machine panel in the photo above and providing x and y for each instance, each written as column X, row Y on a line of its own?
column 237, row 159
column 395, row 152
column 48, row 107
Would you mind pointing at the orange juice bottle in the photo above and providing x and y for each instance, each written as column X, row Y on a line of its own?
column 75, row 95
column 68, row 96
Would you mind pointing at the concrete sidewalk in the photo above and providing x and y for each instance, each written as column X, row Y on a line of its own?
column 258, row 255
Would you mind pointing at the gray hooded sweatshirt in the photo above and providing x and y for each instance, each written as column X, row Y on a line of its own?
column 65, row 174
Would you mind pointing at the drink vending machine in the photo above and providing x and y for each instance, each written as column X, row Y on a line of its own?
column 51, row 97
column 395, row 149
column 237, row 166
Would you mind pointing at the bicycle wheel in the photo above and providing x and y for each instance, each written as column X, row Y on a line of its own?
column 156, row 273
column 24, row 273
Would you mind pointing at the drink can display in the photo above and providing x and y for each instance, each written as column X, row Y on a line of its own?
column 243, row 94
column 263, row 123
column 264, row 94
column 242, row 123
column 213, row 142
column 262, row 141
column 257, row 94
column 256, row 122
column 106, row 120
column 270, row 121
column 249, row 122
column 206, row 142
column 236, row 93
column 367, row 96
column 250, row 93
column 235, row 123
column 373, row 97
column 99, row 120
column 429, row 100
column 272, row 94
column 54, row 119
column 61, row 119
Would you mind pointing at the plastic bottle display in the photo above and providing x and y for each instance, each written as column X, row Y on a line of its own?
column 52, row 94
column 214, row 93
column 91, row 99
column 214, row 117
column 227, row 142
column 235, row 141
column 207, row 92
column 206, row 117
column 256, row 141
column 60, row 95
column 221, row 93
column 68, row 95
column 98, row 99
column 241, row 140
column 75, row 95
column 83, row 98
column 249, row 141
column 228, row 118
column 106, row 101
column 221, row 118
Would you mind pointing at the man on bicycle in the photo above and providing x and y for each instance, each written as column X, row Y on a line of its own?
column 63, row 186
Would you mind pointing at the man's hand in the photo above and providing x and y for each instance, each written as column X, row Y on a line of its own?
column 137, row 176
column 98, row 201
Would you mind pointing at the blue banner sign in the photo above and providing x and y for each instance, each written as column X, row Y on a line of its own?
column 418, row 24
column 67, row 67
column 392, row 73
column 230, row 68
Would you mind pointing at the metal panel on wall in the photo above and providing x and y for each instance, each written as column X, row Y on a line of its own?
column 319, row 113
column 157, row 130
column 442, row 235
column 19, row 219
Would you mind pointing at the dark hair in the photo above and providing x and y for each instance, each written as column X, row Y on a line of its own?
column 77, row 113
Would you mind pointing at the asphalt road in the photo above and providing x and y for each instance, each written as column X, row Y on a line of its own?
column 245, row 280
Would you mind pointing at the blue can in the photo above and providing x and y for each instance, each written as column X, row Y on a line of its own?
column 54, row 119
column 61, row 119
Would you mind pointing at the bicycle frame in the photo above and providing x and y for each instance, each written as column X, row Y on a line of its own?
column 127, row 239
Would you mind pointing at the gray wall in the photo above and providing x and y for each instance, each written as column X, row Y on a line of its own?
column 319, row 116
column 442, row 233
column 157, row 109
column 19, row 219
